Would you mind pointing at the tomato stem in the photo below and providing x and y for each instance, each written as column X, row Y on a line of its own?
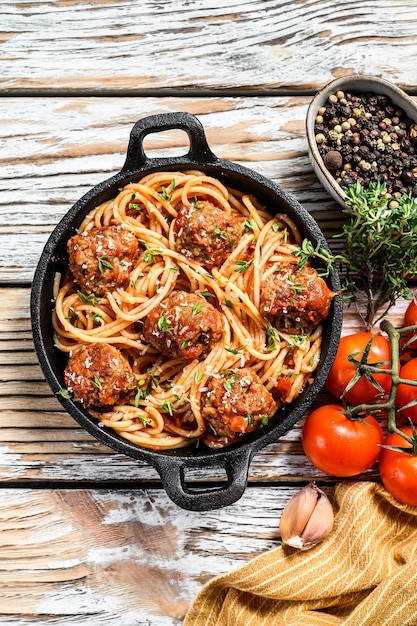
column 394, row 335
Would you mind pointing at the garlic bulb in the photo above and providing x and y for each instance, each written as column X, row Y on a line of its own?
column 307, row 519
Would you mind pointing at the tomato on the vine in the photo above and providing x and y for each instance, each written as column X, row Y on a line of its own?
column 343, row 371
column 398, row 470
column 410, row 319
column 407, row 393
column 340, row 445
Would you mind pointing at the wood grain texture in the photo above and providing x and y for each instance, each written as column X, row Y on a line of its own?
column 131, row 558
column 262, row 44
column 92, row 539
column 56, row 149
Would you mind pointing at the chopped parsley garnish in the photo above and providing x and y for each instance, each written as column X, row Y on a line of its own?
column 139, row 392
column 90, row 299
column 149, row 256
column 220, row 233
column 230, row 382
column 208, row 275
column 102, row 263
column 197, row 308
column 298, row 340
column 163, row 324
column 146, row 421
column 198, row 376
column 195, row 205
column 64, row 393
column 235, row 350
column 248, row 226
column 166, row 195
column 96, row 381
column 243, row 266
column 298, row 287
column 167, row 407
column 134, row 206
column 272, row 340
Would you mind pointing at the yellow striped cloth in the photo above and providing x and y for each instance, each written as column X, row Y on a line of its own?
column 363, row 574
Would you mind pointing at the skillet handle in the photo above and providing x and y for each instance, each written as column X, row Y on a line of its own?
column 199, row 152
column 171, row 471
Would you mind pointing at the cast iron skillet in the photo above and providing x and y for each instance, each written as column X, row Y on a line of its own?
column 171, row 464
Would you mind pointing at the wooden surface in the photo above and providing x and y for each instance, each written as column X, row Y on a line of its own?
column 87, row 536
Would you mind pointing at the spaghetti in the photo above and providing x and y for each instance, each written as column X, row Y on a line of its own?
column 166, row 404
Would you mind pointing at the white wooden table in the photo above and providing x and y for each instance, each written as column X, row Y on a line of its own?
column 87, row 536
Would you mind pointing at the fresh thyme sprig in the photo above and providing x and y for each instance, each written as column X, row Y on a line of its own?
column 307, row 251
column 380, row 248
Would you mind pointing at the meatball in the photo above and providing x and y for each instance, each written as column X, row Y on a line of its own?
column 98, row 375
column 101, row 259
column 237, row 403
column 183, row 326
column 206, row 233
column 294, row 300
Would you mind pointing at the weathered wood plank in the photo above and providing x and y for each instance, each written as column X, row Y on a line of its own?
column 57, row 149
column 145, row 45
column 100, row 558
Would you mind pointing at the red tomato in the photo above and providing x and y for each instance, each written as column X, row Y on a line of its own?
column 343, row 370
column 339, row 445
column 398, row 470
column 410, row 319
column 407, row 393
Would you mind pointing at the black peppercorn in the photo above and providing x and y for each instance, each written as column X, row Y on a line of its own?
column 407, row 176
column 333, row 160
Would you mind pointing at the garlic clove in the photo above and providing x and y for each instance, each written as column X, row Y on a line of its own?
column 307, row 519
column 297, row 513
column 320, row 523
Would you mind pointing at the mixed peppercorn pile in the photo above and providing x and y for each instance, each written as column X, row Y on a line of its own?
column 366, row 137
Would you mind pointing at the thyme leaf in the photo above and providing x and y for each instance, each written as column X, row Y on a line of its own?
column 380, row 248
column 308, row 251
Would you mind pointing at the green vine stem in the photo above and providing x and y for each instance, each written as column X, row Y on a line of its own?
column 394, row 335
